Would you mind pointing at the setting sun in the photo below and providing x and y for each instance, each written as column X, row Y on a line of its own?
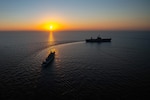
column 51, row 27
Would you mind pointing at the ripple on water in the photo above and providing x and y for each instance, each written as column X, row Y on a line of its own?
column 79, row 71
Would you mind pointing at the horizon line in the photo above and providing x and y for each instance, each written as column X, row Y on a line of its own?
column 77, row 30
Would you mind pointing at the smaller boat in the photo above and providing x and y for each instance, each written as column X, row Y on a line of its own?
column 98, row 39
column 49, row 59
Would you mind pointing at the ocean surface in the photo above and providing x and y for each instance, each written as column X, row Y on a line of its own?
column 118, row 70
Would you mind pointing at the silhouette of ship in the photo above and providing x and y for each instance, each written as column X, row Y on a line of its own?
column 49, row 59
column 98, row 39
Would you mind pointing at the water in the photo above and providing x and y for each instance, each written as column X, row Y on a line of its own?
column 116, row 70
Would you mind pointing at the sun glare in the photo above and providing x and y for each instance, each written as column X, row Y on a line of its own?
column 51, row 27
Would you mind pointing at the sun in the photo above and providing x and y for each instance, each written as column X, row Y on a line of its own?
column 51, row 27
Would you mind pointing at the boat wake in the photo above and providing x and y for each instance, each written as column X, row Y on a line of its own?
column 40, row 54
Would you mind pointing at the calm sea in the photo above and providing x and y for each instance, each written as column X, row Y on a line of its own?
column 116, row 71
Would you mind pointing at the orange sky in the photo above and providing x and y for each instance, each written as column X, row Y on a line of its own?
column 62, row 24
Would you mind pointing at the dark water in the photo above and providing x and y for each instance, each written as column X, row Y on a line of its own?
column 118, row 70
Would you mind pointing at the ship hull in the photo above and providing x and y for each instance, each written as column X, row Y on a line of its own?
column 49, row 59
column 98, row 40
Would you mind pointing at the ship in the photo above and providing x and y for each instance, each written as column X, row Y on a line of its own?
column 98, row 39
column 49, row 59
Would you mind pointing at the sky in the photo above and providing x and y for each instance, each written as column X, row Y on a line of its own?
column 75, row 14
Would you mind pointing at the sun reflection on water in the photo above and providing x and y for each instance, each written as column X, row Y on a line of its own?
column 51, row 37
